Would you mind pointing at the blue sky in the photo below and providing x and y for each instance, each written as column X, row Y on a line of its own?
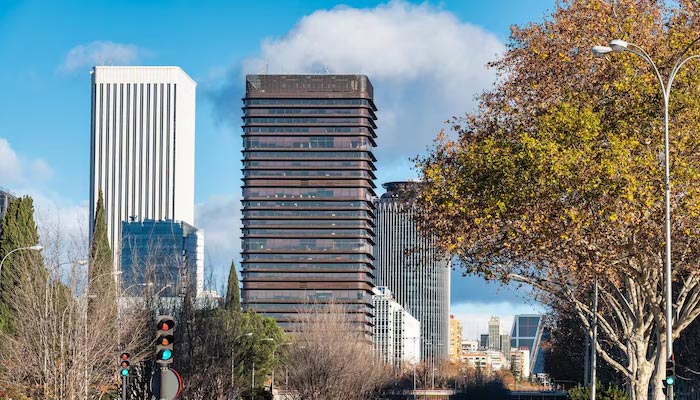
column 426, row 61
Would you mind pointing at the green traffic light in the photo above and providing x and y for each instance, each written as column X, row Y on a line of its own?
column 125, row 372
column 166, row 354
column 669, row 380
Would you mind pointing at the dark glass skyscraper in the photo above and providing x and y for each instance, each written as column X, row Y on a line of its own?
column 308, row 186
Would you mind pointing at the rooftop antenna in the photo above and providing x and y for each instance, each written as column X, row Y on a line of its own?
column 266, row 69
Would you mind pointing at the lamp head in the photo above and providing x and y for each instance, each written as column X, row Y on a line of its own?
column 37, row 247
column 618, row 45
column 600, row 51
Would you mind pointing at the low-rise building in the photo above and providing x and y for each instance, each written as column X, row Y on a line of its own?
column 455, row 350
column 396, row 332
column 520, row 360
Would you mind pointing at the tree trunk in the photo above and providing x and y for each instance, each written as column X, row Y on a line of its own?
column 639, row 387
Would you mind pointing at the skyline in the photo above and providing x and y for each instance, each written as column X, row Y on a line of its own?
column 50, row 72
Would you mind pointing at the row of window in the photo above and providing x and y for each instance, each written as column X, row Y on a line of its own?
column 310, row 111
column 310, row 154
column 289, row 129
column 309, row 275
column 300, row 223
column 308, row 173
column 308, row 257
column 310, row 163
column 304, row 213
column 312, row 232
column 351, row 102
column 308, row 120
column 308, row 204
column 360, row 267
column 311, row 142
column 307, row 244
column 289, row 294
column 356, row 193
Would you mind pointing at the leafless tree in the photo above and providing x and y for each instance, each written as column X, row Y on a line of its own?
column 329, row 359
column 57, row 348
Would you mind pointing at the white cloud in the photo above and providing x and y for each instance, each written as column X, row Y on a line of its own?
column 9, row 162
column 425, row 64
column 17, row 169
column 102, row 53
column 220, row 217
column 475, row 316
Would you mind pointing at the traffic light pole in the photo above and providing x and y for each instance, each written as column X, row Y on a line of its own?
column 123, row 387
column 163, row 383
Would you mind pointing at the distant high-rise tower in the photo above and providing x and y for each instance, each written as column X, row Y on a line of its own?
column 142, row 146
column 5, row 198
column 410, row 265
column 495, row 333
column 307, row 195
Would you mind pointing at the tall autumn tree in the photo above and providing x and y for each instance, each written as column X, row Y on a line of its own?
column 101, row 282
column 556, row 177
column 18, row 230
column 233, row 292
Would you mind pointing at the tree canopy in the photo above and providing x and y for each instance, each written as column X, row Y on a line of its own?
column 558, row 175
column 233, row 291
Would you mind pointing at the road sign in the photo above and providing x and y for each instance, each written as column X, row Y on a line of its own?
column 172, row 384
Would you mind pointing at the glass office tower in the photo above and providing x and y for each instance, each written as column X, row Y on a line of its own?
column 410, row 265
column 307, row 195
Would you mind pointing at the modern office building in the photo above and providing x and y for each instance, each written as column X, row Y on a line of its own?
column 166, row 255
column 494, row 333
column 142, row 146
column 484, row 341
column 505, row 346
column 455, row 340
column 527, row 333
column 308, row 186
column 396, row 335
column 411, row 266
column 5, row 198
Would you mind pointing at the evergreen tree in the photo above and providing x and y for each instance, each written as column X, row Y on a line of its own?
column 233, row 292
column 101, row 278
column 18, row 230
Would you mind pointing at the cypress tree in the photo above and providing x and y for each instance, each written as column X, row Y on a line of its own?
column 101, row 278
column 233, row 292
column 18, row 230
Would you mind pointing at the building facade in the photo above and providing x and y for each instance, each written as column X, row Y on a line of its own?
column 410, row 265
column 455, row 340
column 396, row 335
column 163, row 255
column 469, row 346
column 520, row 361
column 505, row 346
column 494, row 333
column 142, row 146
column 308, row 185
column 484, row 341
column 5, row 198
column 527, row 333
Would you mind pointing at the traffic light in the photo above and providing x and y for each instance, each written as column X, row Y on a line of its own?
column 670, row 371
column 164, row 339
column 124, row 364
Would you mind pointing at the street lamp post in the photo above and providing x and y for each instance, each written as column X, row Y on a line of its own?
column 233, row 359
column 620, row 46
column 34, row 248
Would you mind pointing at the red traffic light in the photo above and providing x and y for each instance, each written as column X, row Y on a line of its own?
column 125, row 356
column 166, row 324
